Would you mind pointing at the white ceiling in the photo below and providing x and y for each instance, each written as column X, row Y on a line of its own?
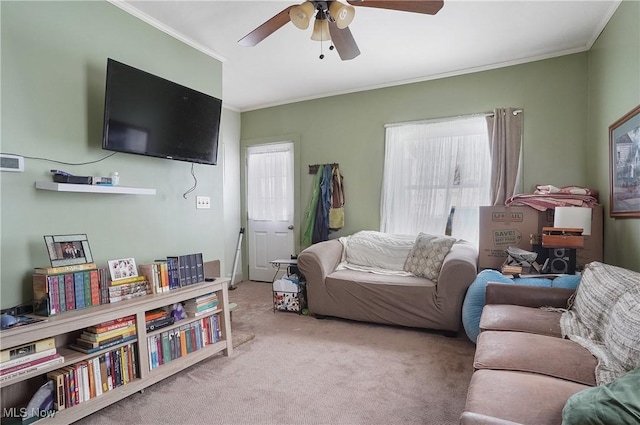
column 397, row 47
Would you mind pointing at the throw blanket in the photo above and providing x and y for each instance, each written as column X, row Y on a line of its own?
column 546, row 202
column 376, row 252
column 605, row 319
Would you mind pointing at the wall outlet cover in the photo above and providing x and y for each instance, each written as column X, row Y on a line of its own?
column 13, row 163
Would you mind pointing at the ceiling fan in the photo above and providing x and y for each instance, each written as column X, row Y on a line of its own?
column 332, row 21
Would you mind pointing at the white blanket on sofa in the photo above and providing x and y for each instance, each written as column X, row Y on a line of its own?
column 376, row 252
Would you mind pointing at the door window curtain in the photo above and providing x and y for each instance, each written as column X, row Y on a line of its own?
column 269, row 185
column 430, row 167
column 505, row 141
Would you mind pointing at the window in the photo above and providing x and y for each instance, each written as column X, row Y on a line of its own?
column 431, row 167
column 270, row 182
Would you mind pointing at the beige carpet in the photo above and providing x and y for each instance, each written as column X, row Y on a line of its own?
column 301, row 370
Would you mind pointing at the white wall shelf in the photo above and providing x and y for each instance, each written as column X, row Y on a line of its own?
column 88, row 188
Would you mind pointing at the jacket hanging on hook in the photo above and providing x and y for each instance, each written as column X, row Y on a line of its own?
column 336, row 213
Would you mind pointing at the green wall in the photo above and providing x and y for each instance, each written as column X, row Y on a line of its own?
column 614, row 90
column 54, row 57
column 349, row 129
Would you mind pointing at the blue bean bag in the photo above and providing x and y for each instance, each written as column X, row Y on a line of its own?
column 475, row 299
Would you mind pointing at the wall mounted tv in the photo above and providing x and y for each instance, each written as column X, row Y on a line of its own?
column 148, row 115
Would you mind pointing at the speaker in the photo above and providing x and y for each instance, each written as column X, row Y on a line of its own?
column 562, row 260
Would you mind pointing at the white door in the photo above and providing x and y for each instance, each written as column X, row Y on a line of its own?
column 270, row 207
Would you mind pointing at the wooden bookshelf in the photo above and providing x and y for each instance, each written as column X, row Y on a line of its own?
column 65, row 327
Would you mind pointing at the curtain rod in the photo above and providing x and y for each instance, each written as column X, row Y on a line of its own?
column 449, row 118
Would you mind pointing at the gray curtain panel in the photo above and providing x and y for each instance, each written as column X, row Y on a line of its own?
column 505, row 139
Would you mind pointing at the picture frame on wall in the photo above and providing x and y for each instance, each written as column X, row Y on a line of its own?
column 68, row 250
column 624, row 165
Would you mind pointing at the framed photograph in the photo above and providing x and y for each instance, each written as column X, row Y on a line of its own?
column 122, row 269
column 67, row 250
column 624, row 140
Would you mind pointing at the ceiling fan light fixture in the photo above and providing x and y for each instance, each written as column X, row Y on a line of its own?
column 321, row 30
column 342, row 13
column 301, row 15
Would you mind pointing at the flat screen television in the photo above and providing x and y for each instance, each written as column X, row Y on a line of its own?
column 148, row 115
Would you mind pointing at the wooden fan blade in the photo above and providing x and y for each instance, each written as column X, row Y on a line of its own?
column 343, row 42
column 429, row 7
column 266, row 29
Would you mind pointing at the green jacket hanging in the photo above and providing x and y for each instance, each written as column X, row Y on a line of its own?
column 310, row 215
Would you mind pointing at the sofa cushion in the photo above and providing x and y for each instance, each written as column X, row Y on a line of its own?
column 520, row 397
column 545, row 355
column 377, row 251
column 427, row 255
column 615, row 403
column 505, row 317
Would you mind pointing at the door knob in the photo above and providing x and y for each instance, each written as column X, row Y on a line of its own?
column 290, row 227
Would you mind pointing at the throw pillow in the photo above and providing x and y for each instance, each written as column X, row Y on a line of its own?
column 427, row 255
column 615, row 403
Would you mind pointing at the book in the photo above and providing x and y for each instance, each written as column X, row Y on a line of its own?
column 110, row 325
column 159, row 323
column 59, row 400
column 127, row 280
column 27, row 358
column 202, row 312
column 155, row 314
column 199, row 267
column 174, row 273
column 62, row 294
column 93, row 344
column 29, row 369
column 64, row 269
column 29, row 364
column 27, row 349
column 78, row 282
column 86, row 350
column 95, row 287
column 87, row 288
column 69, row 290
column 98, row 337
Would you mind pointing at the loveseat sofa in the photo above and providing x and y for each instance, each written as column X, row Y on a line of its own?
column 555, row 364
column 367, row 293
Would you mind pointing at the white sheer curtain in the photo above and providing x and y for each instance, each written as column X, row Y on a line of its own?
column 270, row 187
column 430, row 167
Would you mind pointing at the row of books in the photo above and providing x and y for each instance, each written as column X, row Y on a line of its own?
column 91, row 378
column 27, row 358
column 56, row 293
column 174, row 272
column 106, row 335
column 178, row 342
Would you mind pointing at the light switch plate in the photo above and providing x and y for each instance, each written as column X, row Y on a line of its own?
column 203, row 202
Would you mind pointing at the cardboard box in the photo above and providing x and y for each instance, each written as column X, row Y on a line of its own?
column 502, row 227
